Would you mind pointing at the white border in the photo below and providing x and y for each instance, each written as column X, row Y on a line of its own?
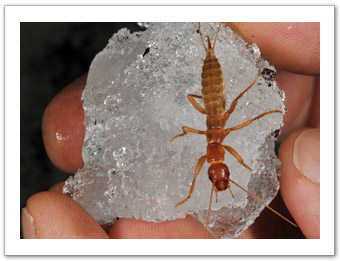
column 16, row 14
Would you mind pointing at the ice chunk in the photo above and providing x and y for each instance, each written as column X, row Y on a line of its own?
column 135, row 102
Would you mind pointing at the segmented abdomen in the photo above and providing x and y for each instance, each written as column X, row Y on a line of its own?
column 213, row 88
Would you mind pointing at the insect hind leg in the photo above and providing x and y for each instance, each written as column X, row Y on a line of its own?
column 234, row 102
column 195, row 104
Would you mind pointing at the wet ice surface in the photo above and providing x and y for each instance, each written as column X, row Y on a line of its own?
column 135, row 102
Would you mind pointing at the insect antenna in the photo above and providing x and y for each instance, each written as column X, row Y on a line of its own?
column 264, row 204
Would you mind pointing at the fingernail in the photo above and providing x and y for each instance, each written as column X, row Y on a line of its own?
column 306, row 156
column 28, row 229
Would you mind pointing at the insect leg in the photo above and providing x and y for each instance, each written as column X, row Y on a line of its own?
column 198, row 168
column 234, row 103
column 237, row 156
column 195, row 104
column 186, row 130
column 248, row 122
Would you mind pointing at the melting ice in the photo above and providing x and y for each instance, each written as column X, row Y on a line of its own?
column 135, row 102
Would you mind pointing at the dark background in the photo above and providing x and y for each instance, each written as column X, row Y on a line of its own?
column 51, row 56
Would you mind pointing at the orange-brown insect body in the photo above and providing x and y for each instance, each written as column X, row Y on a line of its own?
column 213, row 97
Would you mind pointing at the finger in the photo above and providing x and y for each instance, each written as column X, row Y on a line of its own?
column 63, row 127
column 58, row 187
column 300, row 180
column 294, row 47
column 55, row 215
column 301, row 100
column 314, row 114
column 137, row 229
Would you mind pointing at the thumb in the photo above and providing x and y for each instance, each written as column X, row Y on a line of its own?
column 55, row 215
column 300, row 180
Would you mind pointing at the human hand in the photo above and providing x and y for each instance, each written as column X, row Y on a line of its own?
column 294, row 49
column 55, row 215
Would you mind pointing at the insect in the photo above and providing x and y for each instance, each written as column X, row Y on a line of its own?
column 214, row 100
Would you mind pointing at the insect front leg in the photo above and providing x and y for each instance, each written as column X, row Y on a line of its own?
column 198, row 168
column 237, row 156
column 186, row 130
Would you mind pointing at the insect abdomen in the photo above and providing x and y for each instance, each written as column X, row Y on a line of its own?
column 213, row 95
column 213, row 88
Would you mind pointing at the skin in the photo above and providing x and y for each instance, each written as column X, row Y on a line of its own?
column 294, row 49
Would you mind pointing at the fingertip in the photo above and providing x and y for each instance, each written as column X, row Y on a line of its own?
column 300, row 187
column 57, row 187
column 55, row 215
column 188, row 228
column 63, row 128
column 28, row 228
column 294, row 47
